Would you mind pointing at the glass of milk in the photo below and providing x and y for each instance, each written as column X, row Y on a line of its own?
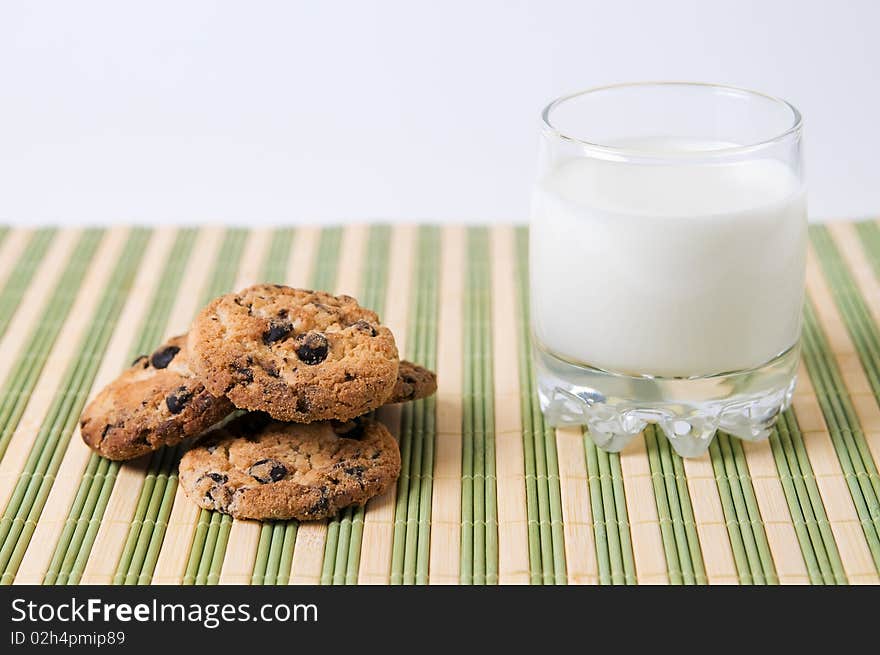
column 667, row 254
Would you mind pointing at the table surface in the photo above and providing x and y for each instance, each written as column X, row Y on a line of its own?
column 488, row 493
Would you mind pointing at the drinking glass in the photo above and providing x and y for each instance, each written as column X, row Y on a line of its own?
column 667, row 261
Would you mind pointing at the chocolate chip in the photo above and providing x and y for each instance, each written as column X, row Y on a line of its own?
column 250, row 307
column 282, row 313
column 267, row 470
column 322, row 504
column 178, row 400
column 303, row 405
column 271, row 371
column 355, row 471
column 312, row 348
column 218, row 479
column 278, row 330
column 252, row 422
column 162, row 357
column 140, row 359
column 349, row 429
column 142, row 437
column 410, row 386
column 364, row 326
column 246, row 375
column 219, row 495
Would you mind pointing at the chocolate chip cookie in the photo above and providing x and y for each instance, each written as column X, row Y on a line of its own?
column 413, row 382
column 299, row 355
column 257, row 468
column 156, row 402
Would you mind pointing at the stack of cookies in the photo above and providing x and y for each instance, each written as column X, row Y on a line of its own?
column 306, row 366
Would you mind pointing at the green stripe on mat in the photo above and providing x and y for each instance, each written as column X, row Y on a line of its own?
column 869, row 233
column 846, row 433
column 479, row 515
column 412, row 512
column 748, row 539
column 275, row 547
column 342, row 550
column 614, row 551
column 23, row 375
column 84, row 518
column 205, row 535
column 277, row 539
column 805, row 503
column 36, row 479
column 22, row 273
column 326, row 264
column 681, row 545
column 275, row 269
column 543, row 496
column 218, row 528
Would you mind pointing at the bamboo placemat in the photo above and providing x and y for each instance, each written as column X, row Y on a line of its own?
column 488, row 493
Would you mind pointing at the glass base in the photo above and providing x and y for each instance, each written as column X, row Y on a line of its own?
column 616, row 408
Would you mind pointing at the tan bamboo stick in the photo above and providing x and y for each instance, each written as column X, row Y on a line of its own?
column 121, row 507
column 301, row 261
column 581, row 564
column 244, row 536
column 35, row 297
column 311, row 536
column 173, row 556
column 12, row 247
column 60, row 357
column 445, row 545
column 513, row 546
column 709, row 516
column 781, row 536
column 378, row 535
column 352, row 254
column 641, row 507
column 76, row 457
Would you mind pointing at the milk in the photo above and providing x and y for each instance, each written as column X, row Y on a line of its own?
column 678, row 269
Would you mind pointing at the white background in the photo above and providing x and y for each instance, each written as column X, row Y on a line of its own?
column 252, row 112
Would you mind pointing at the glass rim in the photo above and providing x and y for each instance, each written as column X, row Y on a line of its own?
column 631, row 152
